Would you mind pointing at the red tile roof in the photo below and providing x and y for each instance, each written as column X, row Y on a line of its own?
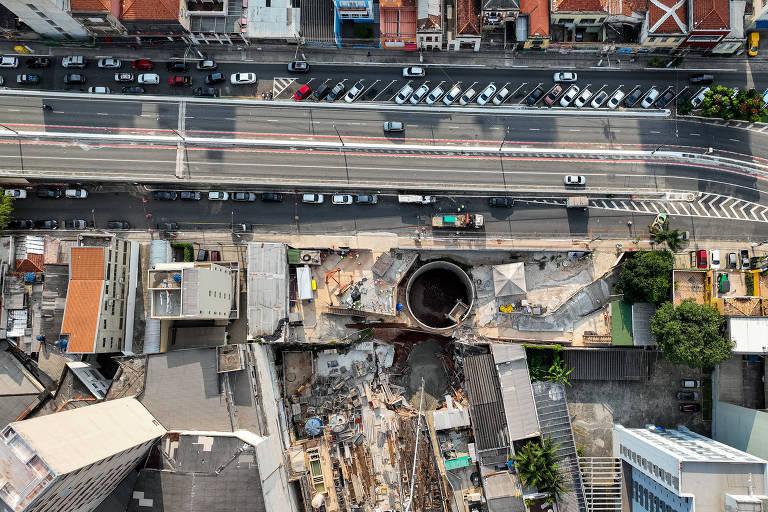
column 32, row 263
column 667, row 17
column 90, row 5
column 84, row 298
column 538, row 17
column 711, row 15
column 627, row 7
column 467, row 18
column 579, row 6
column 136, row 10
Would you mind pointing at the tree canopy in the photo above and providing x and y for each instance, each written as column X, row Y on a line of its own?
column 646, row 277
column 672, row 237
column 724, row 102
column 538, row 467
column 6, row 209
column 691, row 334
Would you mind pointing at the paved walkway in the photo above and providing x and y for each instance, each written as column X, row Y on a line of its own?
column 272, row 53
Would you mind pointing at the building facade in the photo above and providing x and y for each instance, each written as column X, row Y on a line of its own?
column 72, row 460
column 681, row 471
column 98, row 307
column 48, row 18
column 193, row 291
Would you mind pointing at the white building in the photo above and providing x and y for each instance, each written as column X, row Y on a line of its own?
column 194, row 291
column 70, row 461
column 49, row 18
column 679, row 470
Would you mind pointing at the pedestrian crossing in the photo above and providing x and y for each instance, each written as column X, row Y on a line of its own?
column 281, row 84
column 705, row 205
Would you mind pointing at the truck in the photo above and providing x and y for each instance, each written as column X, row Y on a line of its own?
column 577, row 202
column 416, row 199
column 458, row 220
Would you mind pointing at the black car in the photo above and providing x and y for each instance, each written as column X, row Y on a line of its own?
column 321, row 92
column 38, row 62
column 665, row 98
column 132, row 89
column 215, row 78
column 689, row 407
column 164, row 195
column 500, row 202
column 75, row 224
column 298, row 66
column 118, row 224
column 28, row 79
column 189, row 195
column 701, row 79
column 206, row 92
column 336, row 92
column 243, row 196
column 46, row 224
column 21, row 224
column 49, row 193
column 535, row 96
column 74, row 79
column 168, row 226
column 744, row 256
column 632, row 98
column 272, row 197
column 177, row 66
column 687, row 395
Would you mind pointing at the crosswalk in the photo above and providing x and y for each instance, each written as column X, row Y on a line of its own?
column 281, row 84
column 705, row 205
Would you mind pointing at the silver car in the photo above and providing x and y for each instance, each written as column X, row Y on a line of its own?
column 419, row 94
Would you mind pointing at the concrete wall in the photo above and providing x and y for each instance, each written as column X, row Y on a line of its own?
column 711, row 481
column 61, row 24
column 112, row 322
column 742, row 428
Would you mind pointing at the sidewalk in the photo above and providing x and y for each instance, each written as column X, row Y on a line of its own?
column 494, row 59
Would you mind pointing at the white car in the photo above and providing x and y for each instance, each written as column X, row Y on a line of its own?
column 149, row 79
column 486, row 95
column 414, row 72
column 697, row 100
column 76, row 193
column 467, row 96
column 342, row 199
column 583, row 98
column 569, row 96
column 449, row 98
column 574, row 180
column 650, row 97
column 353, row 93
column 419, row 94
column 218, row 195
column 9, row 62
column 404, row 94
column 99, row 89
column 565, row 76
column 312, row 198
column 599, row 99
column 765, row 97
column 615, row 100
column 501, row 96
column 109, row 63
column 16, row 193
column 434, row 95
column 242, row 78
column 714, row 259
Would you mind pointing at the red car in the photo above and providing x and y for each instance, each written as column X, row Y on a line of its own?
column 701, row 259
column 303, row 93
column 179, row 80
column 143, row 65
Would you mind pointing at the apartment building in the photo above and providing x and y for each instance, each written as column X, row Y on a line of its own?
column 681, row 471
column 194, row 291
column 98, row 315
column 49, row 18
column 72, row 460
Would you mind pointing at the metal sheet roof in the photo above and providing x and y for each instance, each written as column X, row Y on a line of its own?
column 516, row 392
column 267, row 289
column 485, row 403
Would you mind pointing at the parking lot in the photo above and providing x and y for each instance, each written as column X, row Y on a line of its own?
column 596, row 405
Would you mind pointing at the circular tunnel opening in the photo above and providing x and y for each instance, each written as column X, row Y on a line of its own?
column 433, row 292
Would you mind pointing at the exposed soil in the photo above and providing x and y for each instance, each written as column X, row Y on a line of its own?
column 433, row 294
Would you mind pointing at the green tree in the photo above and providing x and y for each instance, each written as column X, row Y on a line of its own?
column 691, row 334
column 672, row 237
column 6, row 209
column 558, row 372
column 723, row 102
column 646, row 277
column 538, row 467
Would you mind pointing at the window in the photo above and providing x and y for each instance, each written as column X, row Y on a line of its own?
column 588, row 21
column 703, row 39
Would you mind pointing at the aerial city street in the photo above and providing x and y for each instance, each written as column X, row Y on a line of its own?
column 384, row 256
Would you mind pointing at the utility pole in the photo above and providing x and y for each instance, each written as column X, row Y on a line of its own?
column 415, row 449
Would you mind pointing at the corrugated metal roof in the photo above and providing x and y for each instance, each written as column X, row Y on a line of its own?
column 446, row 419
column 609, row 364
column 485, row 403
column 516, row 392
column 641, row 324
column 267, row 289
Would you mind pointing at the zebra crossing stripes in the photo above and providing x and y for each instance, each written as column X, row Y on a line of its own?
column 281, row 84
column 706, row 205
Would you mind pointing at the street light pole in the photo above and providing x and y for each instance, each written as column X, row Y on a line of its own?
column 343, row 151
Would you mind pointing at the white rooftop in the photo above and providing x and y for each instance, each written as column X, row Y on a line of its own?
column 278, row 21
column 749, row 334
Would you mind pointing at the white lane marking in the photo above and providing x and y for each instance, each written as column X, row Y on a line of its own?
column 574, row 130
column 695, row 134
column 734, row 140
column 534, row 129
column 14, row 110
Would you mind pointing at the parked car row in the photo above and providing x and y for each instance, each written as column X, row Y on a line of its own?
column 270, row 197
column 733, row 261
column 49, row 193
